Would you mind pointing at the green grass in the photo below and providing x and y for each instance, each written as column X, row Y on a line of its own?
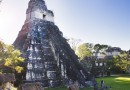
column 57, row 88
column 64, row 88
column 121, row 82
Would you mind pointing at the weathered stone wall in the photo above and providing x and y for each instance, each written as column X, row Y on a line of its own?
column 49, row 58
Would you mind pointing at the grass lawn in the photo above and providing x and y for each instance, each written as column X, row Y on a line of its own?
column 121, row 82
column 64, row 88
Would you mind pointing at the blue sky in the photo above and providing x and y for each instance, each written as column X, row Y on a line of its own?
column 94, row 21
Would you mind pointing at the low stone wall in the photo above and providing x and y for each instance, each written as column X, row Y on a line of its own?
column 31, row 86
column 73, row 86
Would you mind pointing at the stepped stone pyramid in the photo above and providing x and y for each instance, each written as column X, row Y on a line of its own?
column 49, row 58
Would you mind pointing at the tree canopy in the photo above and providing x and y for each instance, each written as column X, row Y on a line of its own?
column 84, row 50
column 99, row 47
column 123, row 61
column 10, row 58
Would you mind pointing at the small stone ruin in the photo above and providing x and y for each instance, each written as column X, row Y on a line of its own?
column 31, row 86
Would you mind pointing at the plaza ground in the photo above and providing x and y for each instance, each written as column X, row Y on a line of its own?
column 117, row 82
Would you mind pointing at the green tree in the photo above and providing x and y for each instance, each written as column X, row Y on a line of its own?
column 10, row 58
column 122, row 61
column 99, row 48
column 100, row 68
column 84, row 50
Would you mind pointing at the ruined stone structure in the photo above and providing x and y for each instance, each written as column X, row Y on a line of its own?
column 49, row 58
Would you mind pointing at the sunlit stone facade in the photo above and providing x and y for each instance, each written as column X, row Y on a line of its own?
column 49, row 58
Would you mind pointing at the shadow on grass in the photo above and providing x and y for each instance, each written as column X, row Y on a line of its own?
column 65, row 88
column 117, row 82
column 120, row 82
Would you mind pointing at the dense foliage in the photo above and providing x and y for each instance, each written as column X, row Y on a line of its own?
column 123, row 61
column 99, row 48
column 10, row 59
column 84, row 50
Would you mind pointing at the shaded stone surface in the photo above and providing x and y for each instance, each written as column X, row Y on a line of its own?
column 7, row 77
column 73, row 86
column 31, row 86
column 49, row 58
